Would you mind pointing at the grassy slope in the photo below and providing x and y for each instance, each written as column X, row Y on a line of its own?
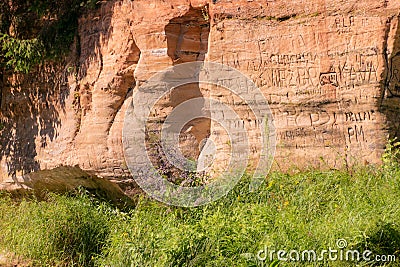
column 309, row 210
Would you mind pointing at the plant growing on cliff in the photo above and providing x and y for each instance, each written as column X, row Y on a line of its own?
column 391, row 156
column 33, row 31
column 21, row 55
column 205, row 13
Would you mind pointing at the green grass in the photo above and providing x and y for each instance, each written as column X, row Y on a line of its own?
column 308, row 210
column 60, row 230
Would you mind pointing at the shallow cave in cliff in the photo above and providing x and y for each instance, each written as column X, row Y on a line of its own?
column 187, row 41
column 187, row 36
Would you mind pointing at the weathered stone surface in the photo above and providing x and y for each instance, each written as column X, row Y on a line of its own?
column 66, row 179
column 329, row 70
column 322, row 76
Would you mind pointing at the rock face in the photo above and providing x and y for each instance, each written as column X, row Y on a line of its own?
column 67, row 180
column 329, row 70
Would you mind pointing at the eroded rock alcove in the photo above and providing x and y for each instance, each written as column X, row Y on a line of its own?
column 187, row 41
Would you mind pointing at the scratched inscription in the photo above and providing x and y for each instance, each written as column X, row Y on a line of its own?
column 307, row 64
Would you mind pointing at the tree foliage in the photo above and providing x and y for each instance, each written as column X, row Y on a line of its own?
column 34, row 30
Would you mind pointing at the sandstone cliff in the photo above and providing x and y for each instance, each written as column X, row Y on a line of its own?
column 329, row 70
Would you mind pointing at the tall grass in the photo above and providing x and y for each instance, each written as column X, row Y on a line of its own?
column 61, row 231
column 308, row 210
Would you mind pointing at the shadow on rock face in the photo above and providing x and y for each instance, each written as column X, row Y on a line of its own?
column 187, row 41
column 390, row 83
